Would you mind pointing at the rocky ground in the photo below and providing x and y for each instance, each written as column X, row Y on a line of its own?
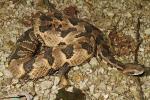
column 94, row 80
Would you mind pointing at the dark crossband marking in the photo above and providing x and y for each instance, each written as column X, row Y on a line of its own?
column 65, row 32
column 58, row 28
column 62, row 43
column 45, row 20
column 99, row 38
column 28, row 66
column 64, row 69
column 48, row 55
column 86, row 34
column 25, row 78
column 22, row 53
column 58, row 15
column 14, row 55
column 29, row 46
column 37, row 50
column 88, row 28
column 43, row 17
column 26, row 36
column 74, row 21
column 45, row 28
column 51, row 71
column 68, row 51
column 87, row 47
column 33, row 38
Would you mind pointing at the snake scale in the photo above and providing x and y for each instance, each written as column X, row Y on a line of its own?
column 57, row 43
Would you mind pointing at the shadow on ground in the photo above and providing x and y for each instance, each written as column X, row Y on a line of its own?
column 77, row 94
column 147, row 71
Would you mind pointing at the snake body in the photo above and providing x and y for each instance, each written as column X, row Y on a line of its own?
column 57, row 42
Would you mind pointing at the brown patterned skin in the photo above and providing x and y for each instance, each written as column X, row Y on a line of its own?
column 57, row 43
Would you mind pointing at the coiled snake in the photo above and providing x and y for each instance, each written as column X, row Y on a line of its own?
column 57, row 43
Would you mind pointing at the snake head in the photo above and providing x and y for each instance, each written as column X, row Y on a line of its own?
column 133, row 69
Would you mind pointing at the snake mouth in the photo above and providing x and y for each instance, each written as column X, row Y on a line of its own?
column 133, row 69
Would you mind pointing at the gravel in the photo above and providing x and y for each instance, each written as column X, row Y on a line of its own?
column 97, row 81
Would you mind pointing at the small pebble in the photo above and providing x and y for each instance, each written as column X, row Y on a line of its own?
column 46, row 92
column 76, row 68
column 105, row 81
column 96, row 95
column 110, row 14
column 94, row 61
column 30, row 84
column 70, row 89
column 46, row 85
column 36, row 98
column 15, row 81
column 7, row 73
column 56, row 81
column 101, row 70
column 106, row 96
column 147, row 31
column 1, row 74
column 128, row 14
column 18, row 85
column 92, row 89
column 83, row 84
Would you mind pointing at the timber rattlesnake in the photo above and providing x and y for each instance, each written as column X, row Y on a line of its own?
column 56, row 43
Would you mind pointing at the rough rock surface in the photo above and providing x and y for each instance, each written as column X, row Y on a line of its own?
column 92, row 81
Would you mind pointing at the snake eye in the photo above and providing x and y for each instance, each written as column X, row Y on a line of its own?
column 133, row 69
